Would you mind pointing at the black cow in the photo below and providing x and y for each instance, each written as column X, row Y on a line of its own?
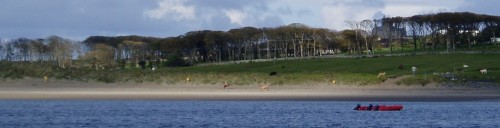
column 273, row 73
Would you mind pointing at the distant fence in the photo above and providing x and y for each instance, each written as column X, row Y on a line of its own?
column 352, row 56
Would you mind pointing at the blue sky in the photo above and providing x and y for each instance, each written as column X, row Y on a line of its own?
column 78, row 19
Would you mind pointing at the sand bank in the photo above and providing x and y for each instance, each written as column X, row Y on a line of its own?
column 63, row 89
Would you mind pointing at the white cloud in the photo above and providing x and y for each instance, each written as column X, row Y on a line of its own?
column 172, row 8
column 174, row 17
column 336, row 13
column 235, row 16
column 409, row 8
column 335, row 16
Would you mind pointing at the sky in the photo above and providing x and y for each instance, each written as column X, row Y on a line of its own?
column 78, row 19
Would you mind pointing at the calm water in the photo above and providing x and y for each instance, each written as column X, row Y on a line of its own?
column 138, row 113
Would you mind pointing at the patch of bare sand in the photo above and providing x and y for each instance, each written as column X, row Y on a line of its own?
column 30, row 88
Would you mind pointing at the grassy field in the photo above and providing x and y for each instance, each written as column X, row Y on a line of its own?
column 350, row 71
column 362, row 71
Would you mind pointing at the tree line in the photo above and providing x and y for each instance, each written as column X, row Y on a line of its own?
column 56, row 50
column 248, row 43
column 448, row 31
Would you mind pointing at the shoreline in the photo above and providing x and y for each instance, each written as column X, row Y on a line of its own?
column 34, row 89
column 238, row 97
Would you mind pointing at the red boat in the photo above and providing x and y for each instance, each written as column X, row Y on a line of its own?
column 379, row 108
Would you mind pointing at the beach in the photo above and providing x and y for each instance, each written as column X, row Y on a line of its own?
column 35, row 89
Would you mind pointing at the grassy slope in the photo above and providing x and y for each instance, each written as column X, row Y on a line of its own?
column 357, row 71
column 361, row 71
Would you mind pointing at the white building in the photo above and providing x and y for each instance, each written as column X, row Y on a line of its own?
column 495, row 40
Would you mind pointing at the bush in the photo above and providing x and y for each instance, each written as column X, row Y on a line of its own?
column 142, row 63
column 175, row 61
column 414, row 81
column 122, row 64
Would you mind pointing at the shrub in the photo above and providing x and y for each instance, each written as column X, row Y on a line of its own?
column 414, row 81
column 122, row 63
column 175, row 61
column 142, row 63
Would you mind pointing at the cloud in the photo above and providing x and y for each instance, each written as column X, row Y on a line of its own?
column 336, row 13
column 79, row 19
column 219, row 15
column 256, row 15
column 285, row 10
column 236, row 17
column 415, row 7
column 178, row 9
column 489, row 7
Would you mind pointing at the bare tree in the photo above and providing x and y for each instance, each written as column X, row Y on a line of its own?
column 135, row 51
column 61, row 51
column 356, row 27
column 367, row 26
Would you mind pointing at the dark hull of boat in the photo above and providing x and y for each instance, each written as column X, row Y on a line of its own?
column 381, row 108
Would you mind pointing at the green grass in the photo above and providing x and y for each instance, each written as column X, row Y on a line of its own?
column 416, row 80
column 357, row 71
column 352, row 71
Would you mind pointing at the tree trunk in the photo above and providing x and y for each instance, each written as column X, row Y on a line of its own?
column 358, row 47
column 468, row 40
column 366, row 45
column 268, row 50
column 301, row 43
column 257, row 48
column 286, row 49
column 390, row 43
column 314, row 47
column 415, row 43
column 401, row 44
column 294, row 48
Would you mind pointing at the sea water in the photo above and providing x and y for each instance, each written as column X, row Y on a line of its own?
column 217, row 114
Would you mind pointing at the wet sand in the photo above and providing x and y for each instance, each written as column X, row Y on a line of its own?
column 33, row 89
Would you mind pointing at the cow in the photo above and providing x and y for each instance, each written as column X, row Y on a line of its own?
column 273, row 73
column 45, row 78
column 483, row 71
column 381, row 75
column 264, row 87
column 226, row 85
column 187, row 80
column 334, row 82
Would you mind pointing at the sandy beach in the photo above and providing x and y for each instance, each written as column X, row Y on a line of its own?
column 35, row 89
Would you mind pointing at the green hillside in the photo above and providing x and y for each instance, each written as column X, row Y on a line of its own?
column 351, row 71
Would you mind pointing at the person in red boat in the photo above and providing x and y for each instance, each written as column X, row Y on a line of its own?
column 370, row 107
column 376, row 107
column 357, row 107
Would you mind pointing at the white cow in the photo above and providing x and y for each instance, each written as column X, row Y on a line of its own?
column 381, row 75
column 483, row 71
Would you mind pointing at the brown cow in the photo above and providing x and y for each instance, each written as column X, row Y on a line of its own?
column 226, row 85
column 264, row 87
